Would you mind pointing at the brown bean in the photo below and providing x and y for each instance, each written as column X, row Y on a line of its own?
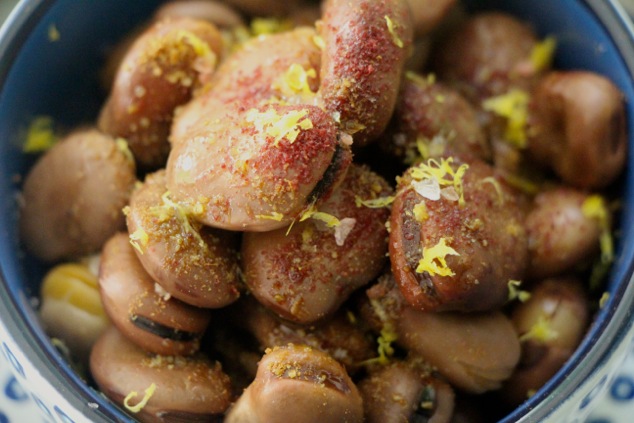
column 218, row 13
column 298, row 383
column 305, row 274
column 435, row 118
column 157, row 74
column 453, row 254
column 428, row 14
column 195, row 264
column 145, row 315
column 366, row 45
column 551, row 324
column 344, row 340
column 406, row 391
column 560, row 235
column 185, row 388
column 259, row 169
column 577, row 127
column 475, row 352
column 487, row 55
column 73, row 196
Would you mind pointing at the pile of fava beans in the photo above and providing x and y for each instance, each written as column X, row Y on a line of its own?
column 359, row 210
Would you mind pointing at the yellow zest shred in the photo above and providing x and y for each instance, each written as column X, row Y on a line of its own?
column 139, row 406
column 171, row 208
column 391, row 27
column 541, row 331
column 604, row 299
column 122, row 145
column 201, row 48
column 594, row 207
column 374, row 203
column 498, row 188
column 386, row 338
column 273, row 216
column 295, row 81
column 516, row 293
column 268, row 26
column 543, row 53
column 139, row 240
column 420, row 212
column 330, row 220
column 40, row 135
column 513, row 106
column 443, row 173
column 286, row 126
column 433, row 260
column 53, row 33
column 319, row 42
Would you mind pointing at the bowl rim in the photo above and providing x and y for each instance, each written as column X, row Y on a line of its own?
column 611, row 327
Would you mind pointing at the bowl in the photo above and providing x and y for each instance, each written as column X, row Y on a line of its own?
column 42, row 74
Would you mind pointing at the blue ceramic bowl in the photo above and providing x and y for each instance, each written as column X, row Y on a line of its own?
column 60, row 79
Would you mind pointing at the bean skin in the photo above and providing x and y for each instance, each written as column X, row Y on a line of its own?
column 487, row 55
column 247, row 180
column 406, row 391
column 157, row 74
column 305, row 274
column 475, row 352
column 485, row 235
column 367, row 43
column 428, row 14
column 196, row 264
column 431, row 113
column 73, row 196
column 186, row 388
column 148, row 318
column 559, row 306
column 560, row 235
column 577, row 127
column 218, row 13
column 298, row 383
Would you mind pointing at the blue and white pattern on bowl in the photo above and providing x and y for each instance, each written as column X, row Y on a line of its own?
column 39, row 80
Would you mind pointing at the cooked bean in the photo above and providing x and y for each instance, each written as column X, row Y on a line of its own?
column 71, row 309
column 259, row 169
column 432, row 119
column 195, row 264
column 73, row 196
column 216, row 12
column 449, row 253
column 427, row 14
column 577, row 127
column 487, row 55
column 144, row 314
column 475, row 352
column 551, row 325
column 345, row 341
column 157, row 74
column 298, row 383
column 177, row 388
column 366, row 45
column 305, row 274
column 560, row 234
column 406, row 391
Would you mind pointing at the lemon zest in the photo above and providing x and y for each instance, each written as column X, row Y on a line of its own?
column 53, row 33
column 273, row 216
column 541, row 331
column 391, row 27
column 498, row 188
column 594, row 207
column 374, row 203
column 139, row 406
column 139, row 240
column 543, row 53
column 330, row 220
column 286, row 126
column 433, row 260
column 386, row 338
column 443, row 173
column 604, row 299
column 420, row 212
column 40, row 135
column 172, row 209
column 268, row 26
column 295, row 81
column 513, row 106
column 516, row 293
